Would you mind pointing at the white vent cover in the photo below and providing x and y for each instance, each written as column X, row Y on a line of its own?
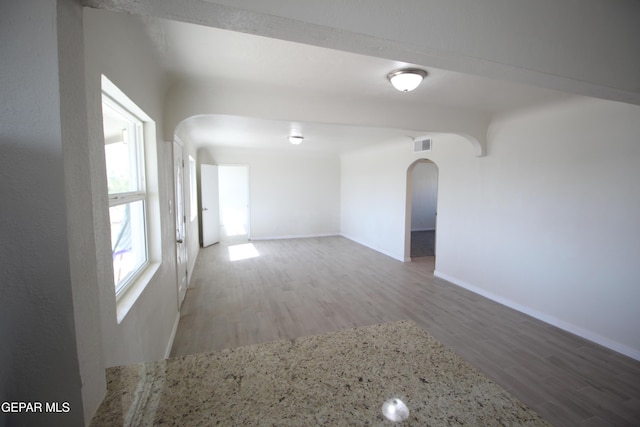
column 421, row 144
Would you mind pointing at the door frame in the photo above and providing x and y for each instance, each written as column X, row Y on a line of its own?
column 409, row 205
column 181, row 230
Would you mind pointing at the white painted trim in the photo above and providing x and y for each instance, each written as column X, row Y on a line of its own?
column 544, row 317
column 128, row 297
column 389, row 254
column 295, row 236
column 167, row 351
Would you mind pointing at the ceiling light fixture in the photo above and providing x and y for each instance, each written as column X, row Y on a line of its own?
column 406, row 79
column 295, row 140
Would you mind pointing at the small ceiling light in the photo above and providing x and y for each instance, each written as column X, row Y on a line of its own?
column 295, row 140
column 406, row 79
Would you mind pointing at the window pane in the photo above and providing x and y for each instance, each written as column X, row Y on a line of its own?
column 121, row 150
column 128, row 244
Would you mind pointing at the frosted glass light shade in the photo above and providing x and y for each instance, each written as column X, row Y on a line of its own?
column 295, row 140
column 406, row 80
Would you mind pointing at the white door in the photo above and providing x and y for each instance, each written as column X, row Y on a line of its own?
column 210, row 206
column 180, row 220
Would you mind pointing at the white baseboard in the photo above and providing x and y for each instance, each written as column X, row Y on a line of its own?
column 167, row 351
column 544, row 317
column 295, row 236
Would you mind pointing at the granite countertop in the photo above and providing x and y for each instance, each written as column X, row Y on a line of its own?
column 340, row 378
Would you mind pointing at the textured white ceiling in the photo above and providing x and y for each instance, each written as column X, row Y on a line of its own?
column 197, row 53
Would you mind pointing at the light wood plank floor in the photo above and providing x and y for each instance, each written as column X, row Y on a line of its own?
column 303, row 287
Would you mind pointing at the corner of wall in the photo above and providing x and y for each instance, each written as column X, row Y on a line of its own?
column 546, row 318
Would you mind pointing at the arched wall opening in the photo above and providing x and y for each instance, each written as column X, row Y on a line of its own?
column 421, row 209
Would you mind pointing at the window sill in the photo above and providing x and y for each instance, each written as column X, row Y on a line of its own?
column 126, row 300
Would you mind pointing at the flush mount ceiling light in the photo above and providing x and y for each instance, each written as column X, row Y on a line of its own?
column 406, row 79
column 295, row 140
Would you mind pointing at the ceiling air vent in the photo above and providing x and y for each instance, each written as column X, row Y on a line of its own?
column 421, row 144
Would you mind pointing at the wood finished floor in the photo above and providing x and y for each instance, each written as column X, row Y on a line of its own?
column 303, row 287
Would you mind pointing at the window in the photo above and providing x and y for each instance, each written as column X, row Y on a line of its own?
column 126, row 180
column 193, row 208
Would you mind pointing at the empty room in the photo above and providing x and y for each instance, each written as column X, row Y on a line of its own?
column 294, row 213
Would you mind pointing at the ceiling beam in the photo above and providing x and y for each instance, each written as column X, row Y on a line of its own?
column 588, row 50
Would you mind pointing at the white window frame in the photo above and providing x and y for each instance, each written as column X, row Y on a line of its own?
column 127, row 295
column 136, row 160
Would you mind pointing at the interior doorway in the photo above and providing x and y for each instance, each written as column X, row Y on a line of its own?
column 422, row 209
column 209, row 205
column 234, row 202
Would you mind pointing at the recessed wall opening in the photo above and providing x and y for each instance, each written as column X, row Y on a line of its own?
column 421, row 213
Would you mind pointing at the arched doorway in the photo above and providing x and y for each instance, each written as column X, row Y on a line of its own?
column 421, row 213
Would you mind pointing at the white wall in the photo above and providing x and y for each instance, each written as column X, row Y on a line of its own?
column 547, row 223
column 116, row 46
column 424, row 193
column 556, row 215
column 290, row 194
column 372, row 197
column 373, row 190
column 47, row 352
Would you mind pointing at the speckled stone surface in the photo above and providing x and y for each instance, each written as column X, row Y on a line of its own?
column 340, row 378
